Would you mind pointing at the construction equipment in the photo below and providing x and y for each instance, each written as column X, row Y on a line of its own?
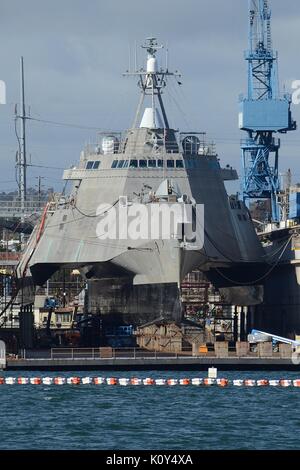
column 257, row 336
column 263, row 112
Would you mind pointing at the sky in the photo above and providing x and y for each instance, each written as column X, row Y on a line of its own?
column 75, row 52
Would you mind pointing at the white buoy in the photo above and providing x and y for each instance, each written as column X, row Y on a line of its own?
column 197, row 381
column 160, row 381
column 124, row 382
column 274, row 383
column 238, row 382
column 86, row 380
column 47, row 380
column 10, row 380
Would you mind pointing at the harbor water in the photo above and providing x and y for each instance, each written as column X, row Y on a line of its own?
column 90, row 417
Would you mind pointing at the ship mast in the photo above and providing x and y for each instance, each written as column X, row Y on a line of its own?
column 152, row 81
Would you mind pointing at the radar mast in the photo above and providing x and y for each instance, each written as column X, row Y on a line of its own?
column 152, row 81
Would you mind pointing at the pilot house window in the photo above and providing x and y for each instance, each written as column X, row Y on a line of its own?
column 133, row 164
column 93, row 165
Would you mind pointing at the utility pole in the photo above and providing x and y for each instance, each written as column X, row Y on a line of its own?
column 22, row 157
column 39, row 186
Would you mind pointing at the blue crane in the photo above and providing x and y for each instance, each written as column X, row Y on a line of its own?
column 263, row 112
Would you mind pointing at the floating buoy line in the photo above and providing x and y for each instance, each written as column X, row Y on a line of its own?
column 135, row 381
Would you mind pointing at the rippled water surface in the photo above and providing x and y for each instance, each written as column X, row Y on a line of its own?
column 114, row 417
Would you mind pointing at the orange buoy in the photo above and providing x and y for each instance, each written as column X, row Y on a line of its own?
column 73, row 380
column 285, row 383
column 208, row 381
column 22, row 380
column 111, row 381
column 2, row 381
column 296, row 383
column 262, row 383
column 222, row 382
column 99, row 380
column 184, row 381
column 249, row 383
column 172, row 382
column 136, row 381
column 35, row 380
column 59, row 380
column 148, row 381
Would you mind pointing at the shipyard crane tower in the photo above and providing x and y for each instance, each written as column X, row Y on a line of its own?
column 263, row 112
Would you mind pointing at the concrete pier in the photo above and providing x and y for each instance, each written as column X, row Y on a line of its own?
column 152, row 363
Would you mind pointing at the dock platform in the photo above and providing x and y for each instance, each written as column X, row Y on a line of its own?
column 159, row 363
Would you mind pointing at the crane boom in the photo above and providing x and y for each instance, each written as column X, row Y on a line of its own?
column 260, row 335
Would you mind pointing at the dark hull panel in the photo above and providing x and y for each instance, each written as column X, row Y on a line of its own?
column 120, row 302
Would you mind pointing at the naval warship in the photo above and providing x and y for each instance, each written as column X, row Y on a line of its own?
column 151, row 163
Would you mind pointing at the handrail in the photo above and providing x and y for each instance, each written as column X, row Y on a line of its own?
column 111, row 353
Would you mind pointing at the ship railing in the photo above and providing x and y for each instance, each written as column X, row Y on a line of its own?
column 155, row 149
column 16, row 209
column 132, row 147
column 113, row 353
column 281, row 96
column 119, row 354
column 29, row 204
column 252, row 143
